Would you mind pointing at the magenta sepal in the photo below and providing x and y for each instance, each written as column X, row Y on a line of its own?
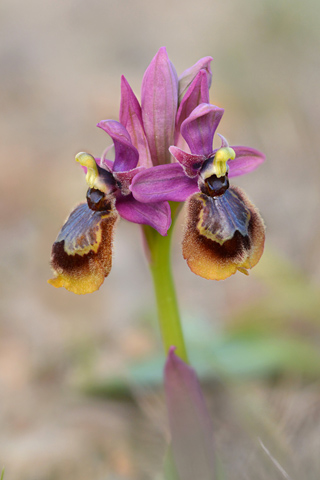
column 159, row 101
column 187, row 77
column 126, row 155
column 157, row 215
column 190, row 422
column 199, row 128
column 131, row 118
column 247, row 159
column 164, row 182
column 197, row 93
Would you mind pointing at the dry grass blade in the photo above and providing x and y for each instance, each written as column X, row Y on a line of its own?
column 274, row 461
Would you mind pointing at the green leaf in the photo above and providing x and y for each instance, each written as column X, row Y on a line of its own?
column 258, row 356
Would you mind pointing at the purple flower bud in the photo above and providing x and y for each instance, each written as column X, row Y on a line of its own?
column 190, row 423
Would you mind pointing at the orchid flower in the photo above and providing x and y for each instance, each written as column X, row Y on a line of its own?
column 82, row 252
column 224, row 231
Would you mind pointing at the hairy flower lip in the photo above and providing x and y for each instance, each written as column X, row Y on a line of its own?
column 81, row 256
column 222, row 235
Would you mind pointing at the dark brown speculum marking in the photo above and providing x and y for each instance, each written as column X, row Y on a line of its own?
column 214, row 186
column 98, row 201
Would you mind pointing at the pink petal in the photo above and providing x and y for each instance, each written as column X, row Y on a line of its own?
column 159, row 99
column 157, row 215
column 187, row 77
column 126, row 155
column 197, row 93
column 163, row 182
column 199, row 128
column 247, row 159
column 131, row 118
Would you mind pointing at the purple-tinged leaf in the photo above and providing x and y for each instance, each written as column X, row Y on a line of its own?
column 190, row 423
column 187, row 77
column 126, row 155
column 131, row 118
column 247, row 159
column 157, row 215
column 159, row 99
column 163, row 182
column 199, row 128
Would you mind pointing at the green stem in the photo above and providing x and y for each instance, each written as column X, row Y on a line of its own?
column 168, row 311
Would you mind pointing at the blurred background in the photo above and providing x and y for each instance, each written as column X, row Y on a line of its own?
column 80, row 376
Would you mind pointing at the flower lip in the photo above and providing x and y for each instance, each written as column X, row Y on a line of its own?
column 82, row 253
column 223, row 234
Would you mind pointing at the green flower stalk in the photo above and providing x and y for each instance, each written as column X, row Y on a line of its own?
column 160, row 265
